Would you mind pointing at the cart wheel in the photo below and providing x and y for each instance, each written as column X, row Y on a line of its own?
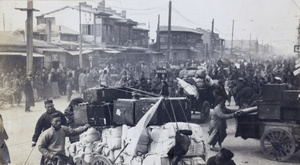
column 277, row 144
column 100, row 160
column 297, row 149
column 204, row 113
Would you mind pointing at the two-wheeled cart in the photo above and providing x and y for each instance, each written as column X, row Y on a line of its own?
column 275, row 121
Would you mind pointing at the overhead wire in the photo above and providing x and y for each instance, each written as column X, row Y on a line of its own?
column 296, row 4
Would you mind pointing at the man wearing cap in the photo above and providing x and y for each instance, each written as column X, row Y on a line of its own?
column 52, row 142
column 223, row 157
column 44, row 121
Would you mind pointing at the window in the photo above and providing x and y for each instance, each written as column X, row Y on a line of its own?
column 88, row 29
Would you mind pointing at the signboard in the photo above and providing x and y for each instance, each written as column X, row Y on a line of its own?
column 297, row 48
column 87, row 18
column 296, row 72
column 54, row 57
column 161, row 71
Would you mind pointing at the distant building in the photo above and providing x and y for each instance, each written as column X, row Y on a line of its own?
column 217, row 49
column 13, row 50
column 185, row 44
column 105, row 33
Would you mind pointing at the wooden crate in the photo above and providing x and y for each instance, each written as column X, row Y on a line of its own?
column 80, row 114
column 101, row 95
column 142, row 106
column 100, row 115
column 269, row 110
column 272, row 92
column 290, row 99
column 123, row 112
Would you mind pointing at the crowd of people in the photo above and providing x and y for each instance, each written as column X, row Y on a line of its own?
column 243, row 80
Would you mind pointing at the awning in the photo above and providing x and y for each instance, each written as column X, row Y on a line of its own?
column 42, row 50
column 76, row 53
column 112, row 51
column 20, row 54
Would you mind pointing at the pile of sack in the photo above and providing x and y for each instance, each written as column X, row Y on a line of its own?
column 152, row 147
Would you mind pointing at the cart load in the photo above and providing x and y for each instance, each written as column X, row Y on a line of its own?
column 131, row 138
column 130, row 111
column 114, row 144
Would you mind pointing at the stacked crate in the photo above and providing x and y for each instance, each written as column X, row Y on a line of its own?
column 290, row 105
column 269, row 108
column 130, row 111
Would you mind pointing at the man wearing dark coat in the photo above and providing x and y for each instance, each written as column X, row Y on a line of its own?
column 44, row 121
column 28, row 91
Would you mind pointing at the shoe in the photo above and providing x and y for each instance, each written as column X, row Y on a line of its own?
column 28, row 110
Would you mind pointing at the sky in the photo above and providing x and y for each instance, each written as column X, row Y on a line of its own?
column 273, row 22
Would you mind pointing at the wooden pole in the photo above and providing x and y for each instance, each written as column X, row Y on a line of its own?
column 169, row 31
column 232, row 38
column 29, row 39
column 211, row 39
column 158, row 36
column 80, row 38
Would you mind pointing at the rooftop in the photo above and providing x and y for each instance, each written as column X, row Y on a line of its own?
column 17, row 38
column 179, row 29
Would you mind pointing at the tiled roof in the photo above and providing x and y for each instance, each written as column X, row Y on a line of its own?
column 178, row 29
column 16, row 38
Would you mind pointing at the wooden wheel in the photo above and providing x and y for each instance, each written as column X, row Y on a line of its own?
column 100, row 160
column 277, row 144
column 6, row 96
column 204, row 113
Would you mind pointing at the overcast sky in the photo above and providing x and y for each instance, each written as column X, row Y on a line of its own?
column 272, row 22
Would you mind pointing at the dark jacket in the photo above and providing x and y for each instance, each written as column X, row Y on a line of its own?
column 44, row 123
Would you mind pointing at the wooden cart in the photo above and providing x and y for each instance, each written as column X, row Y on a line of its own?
column 276, row 122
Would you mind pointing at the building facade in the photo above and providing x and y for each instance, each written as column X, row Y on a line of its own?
column 185, row 44
column 103, row 31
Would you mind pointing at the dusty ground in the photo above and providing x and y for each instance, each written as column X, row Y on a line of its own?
column 20, row 126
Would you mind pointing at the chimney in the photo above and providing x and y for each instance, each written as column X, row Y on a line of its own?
column 101, row 6
column 123, row 13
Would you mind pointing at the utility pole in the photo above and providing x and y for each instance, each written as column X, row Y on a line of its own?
column 299, row 38
column 29, row 34
column 80, row 36
column 211, row 39
column 158, row 35
column 232, row 38
column 169, row 31
column 3, row 22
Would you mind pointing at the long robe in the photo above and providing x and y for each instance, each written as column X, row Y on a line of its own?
column 28, row 91
column 218, row 125
column 4, row 154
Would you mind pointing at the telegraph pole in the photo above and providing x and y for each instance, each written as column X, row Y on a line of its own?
column 29, row 34
column 211, row 39
column 80, row 36
column 299, row 38
column 157, row 33
column 169, row 31
column 232, row 38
